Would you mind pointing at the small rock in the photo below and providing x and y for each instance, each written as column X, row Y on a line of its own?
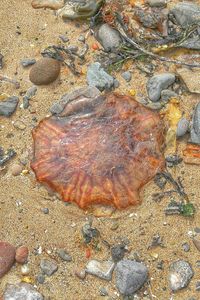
column 64, row 255
column 157, row 3
column 198, row 286
column 19, row 125
column 182, row 127
column 191, row 43
column 157, row 83
column 16, row 169
column 166, row 95
column 40, row 278
column 116, row 83
column 81, row 38
column 103, row 292
column 180, row 275
column 27, row 62
column 127, row 76
column 25, row 270
column 130, row 276
column 49, row 267
column 186, row 13
column 80, row 273
column 118, row 252
column 73, row 48
column 186, row 247
column 195, row 127
column 7, row 257
column 21, row 291
column 191, row 79
column 97, row 77
column 108, row 37
column 101, row 269
column 45, row 71
column 52, row 4
column 21, row 255
column 64, row 38
column 29, row 94
column 45, row 210
column 89, row 232
column 8, row 106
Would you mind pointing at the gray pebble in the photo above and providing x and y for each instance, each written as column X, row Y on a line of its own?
column 197, row 229
column 103, row 292
column 157, row 3
column 186, row 13
column 64, row 255
column 48, row 267
column 127, row 76
column 108, row 37
column 45, row 210
column 27, row 62
column 198, row 286
column 157, row 83
column 186, row 247
column 130, row 276
column 182, row 127
column 81, row 38
column 118, row 252
column 101, row 269
column 8, row 106
column 29, row 94
column 63, row 38
column 21, row 291
column 116, row 83
column 40, row 278
column 97, row 77
column 73, row 48
column 166, row 95
column 195, row 128
column 180, row 275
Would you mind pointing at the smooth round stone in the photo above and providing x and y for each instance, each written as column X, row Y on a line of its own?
column 16, row 169
column 21, row 254
column 7, row 257
column 45, row 71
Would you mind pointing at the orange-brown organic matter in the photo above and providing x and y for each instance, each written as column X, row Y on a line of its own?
column 99, row 151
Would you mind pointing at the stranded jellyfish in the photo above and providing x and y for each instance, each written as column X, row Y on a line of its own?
column 99, row 150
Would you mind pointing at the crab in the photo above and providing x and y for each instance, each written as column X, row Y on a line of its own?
column 99, row 150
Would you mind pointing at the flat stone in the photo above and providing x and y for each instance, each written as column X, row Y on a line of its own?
column 44, row 71
column 52, row 4
column 7, row 257
column 49, row 267
column 86, row 92
column 191, row 43
column 157, row 83
column 21, row 291
column 8, row 106
column 195, row 128
column 180, row 275
column 108, row 37
column 130, row 276
column 101, row 269
column 182, row 127
column 64, row 255
column 191, row 79
column 97, row 77
column 186, row 13
column 27, row 62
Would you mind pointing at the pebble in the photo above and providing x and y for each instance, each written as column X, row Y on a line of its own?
column 29, row 94
column 25, row 269
column 108, row 37
column 116, row 83
column 190, row 78
column 27, row 62
column 103, row 292
column 195, row 127
column 81, row 274
column 97, row 77
column 81, row 38
column 182, row 127
column 8, row 106
column 157, row 3
column 191, row 43
column 19, row 125
column 180, row 275
column 186, row 247
column 101, row 269
column 7, row 257
column 40, row 278
column 157, row 83
column 21, row 255
column 186, row 13
column 44, row 71
column 130, row 276
column 64, row 38
column 89, row 233
column 49, row 267
column 166, row 95
column 21, row 291
column 53, row 4
column 16, row 169
column 64, row 255
column 45, row 210
column 118, row 252
column 127, row 76
column 73, row 48
column 198, row 286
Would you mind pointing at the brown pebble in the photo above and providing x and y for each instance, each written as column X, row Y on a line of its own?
column 21, row 255
column 44, row 71
column 7, row 257
column 53, row 4
column 80, row 273
column 16, row 169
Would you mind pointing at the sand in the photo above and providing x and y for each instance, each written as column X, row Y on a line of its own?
column 21, row 198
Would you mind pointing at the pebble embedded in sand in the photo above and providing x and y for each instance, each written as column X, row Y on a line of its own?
column 7, row 257
column 16, row 169
column 21, row 254
column 52, row 4
column 45, row 71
